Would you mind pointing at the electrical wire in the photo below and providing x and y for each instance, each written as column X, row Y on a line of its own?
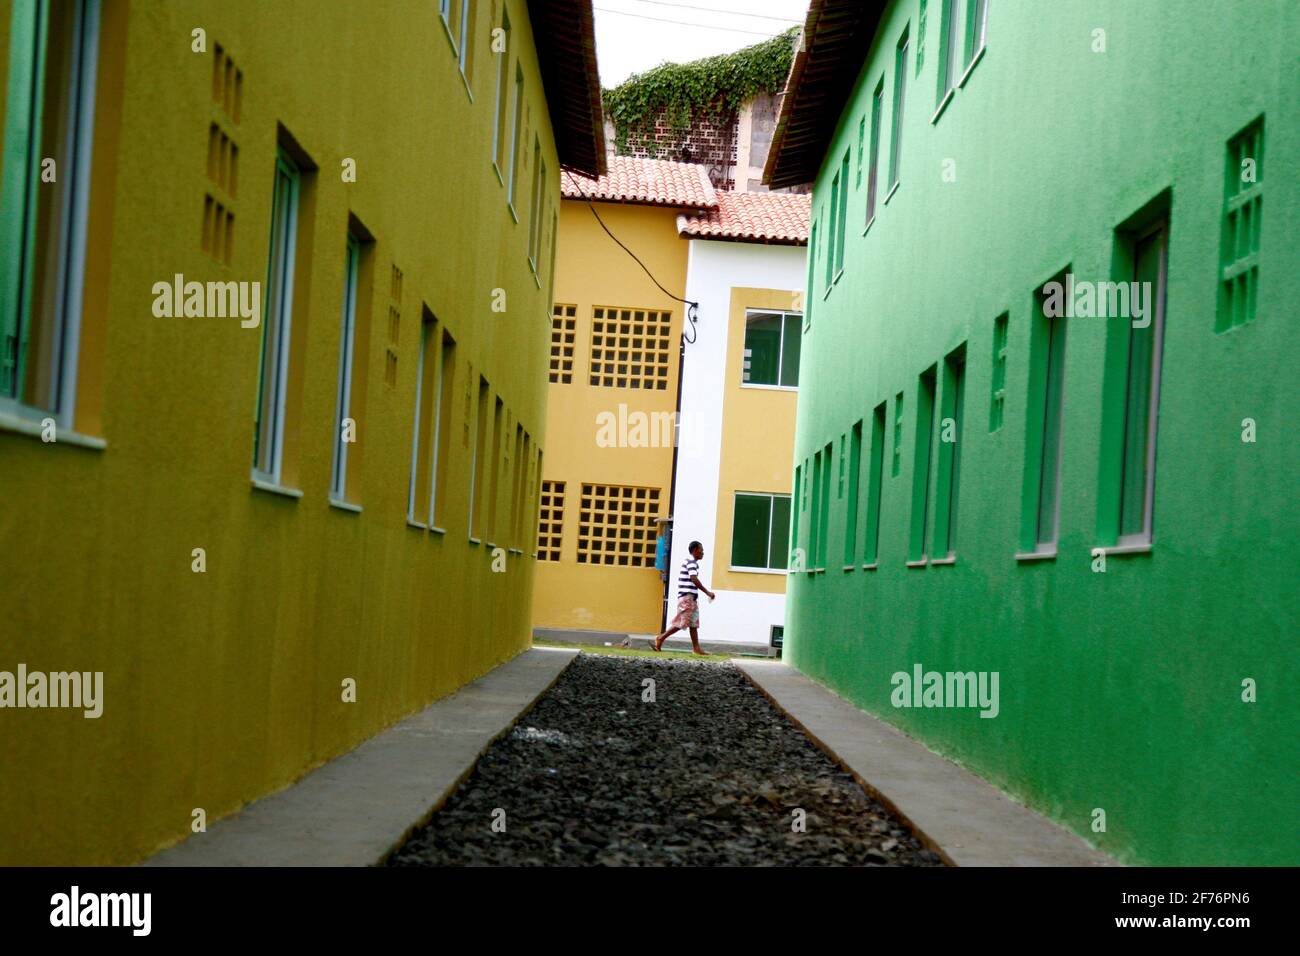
column 692, row 312
column 683, row 23
column 734, row 13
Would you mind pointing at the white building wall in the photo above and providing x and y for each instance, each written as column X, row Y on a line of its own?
column 714, row 268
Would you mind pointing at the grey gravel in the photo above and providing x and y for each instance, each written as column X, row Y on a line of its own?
column 709, row 774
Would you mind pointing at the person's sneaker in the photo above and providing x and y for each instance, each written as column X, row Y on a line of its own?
column 654, row 645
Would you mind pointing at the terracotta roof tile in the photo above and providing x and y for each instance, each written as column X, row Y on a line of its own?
column 778, row 218
column 654, row 182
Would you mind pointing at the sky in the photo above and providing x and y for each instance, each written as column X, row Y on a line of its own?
column 631, row 36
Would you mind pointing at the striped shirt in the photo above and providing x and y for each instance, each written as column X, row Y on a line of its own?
column 690, row 568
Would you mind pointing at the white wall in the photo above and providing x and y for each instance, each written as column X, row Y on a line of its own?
column 714, row 268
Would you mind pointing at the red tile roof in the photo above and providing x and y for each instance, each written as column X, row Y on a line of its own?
column 653, row 182
column 777, row 218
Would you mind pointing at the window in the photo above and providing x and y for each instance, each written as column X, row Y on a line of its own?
column 998, row 398
column 873, row 163
column 344, row 433
column 503, row 65
column 555, row 228
column 563, row 330
column 951, row 414
column 898, row 435
column 874, row 483
column 772, row 344
column 760, row 530
column 442, row 426
column 617, row 525
column 535, row 206
column 550, row 521
column 922, row 454
column 815, row 524
column 823, row 516
column 419, row 488
column 516, row 486
column 862, row 148
column 50, row 115
column 268, row 441
column 977, row 15
column 798, row 506
column 494, row 495
column 948, row 39
column 1044, row 427
column 465, row 49
column 812, row 274
column 832, row 240
column 630, row 348
column 480, row 443
column 1145, row 343
column 841, row 212
column 515, row 120
column 851, row 524
column 900, row 98
column 450, row 11
column 1243, row 203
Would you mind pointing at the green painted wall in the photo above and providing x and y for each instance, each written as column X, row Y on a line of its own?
column 1119, row 690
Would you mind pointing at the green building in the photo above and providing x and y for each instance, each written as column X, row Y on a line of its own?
column 1045, row 472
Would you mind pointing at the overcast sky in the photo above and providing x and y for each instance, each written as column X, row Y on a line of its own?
column 627, row 44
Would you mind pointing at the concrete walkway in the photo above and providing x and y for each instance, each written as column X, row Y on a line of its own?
column 962, row 817
column 355, row 809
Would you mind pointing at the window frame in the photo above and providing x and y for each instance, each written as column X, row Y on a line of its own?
column 771, row 497
column 873, row 169
column 1146, row 535
column 514, row 143
column 347, row 354
column 900, row 105
column 464, row 49
column 283, row 319
column 785, row 315
column 501, row 104
column 19, row 163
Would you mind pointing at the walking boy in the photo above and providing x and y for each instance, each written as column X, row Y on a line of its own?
column 688, row 600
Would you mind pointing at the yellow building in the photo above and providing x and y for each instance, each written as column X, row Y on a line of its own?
column 607, row 475
column 272, row 387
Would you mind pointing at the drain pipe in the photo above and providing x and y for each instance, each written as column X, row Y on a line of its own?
column 692, row 316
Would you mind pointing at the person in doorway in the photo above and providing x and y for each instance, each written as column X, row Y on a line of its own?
column 688, row 600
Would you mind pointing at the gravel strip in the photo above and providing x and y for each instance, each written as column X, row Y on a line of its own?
column 707, row 774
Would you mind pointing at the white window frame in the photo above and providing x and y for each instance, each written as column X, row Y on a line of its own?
column 462, row 46
column 283, row 322
column 780, row 361
column 437, row 423
column 771, row 506
column 514, row 142
column 498, row 120
column 339, row 479
column 60, row 404
column 425, row 328
column 1145, row 536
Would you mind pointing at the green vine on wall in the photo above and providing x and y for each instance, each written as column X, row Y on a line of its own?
column 712, row 88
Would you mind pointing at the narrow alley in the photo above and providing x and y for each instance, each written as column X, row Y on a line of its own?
column 707, row 773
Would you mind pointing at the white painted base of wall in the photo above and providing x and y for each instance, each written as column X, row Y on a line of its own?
column 741, row 617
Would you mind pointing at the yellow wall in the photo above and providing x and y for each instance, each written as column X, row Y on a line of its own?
column 222, row 686
column 757, row 440
column 591, row 270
